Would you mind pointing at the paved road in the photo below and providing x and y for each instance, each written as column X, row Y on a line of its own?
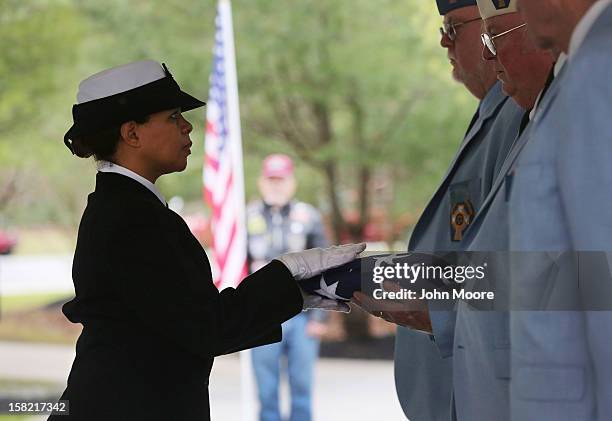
column 35, row 274
column 354, row 390
column 344, row 389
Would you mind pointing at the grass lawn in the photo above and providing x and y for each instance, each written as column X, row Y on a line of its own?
column 45, row 240
column 12, row 385
column 13, row 303
column 24, row 318
column 16, row 330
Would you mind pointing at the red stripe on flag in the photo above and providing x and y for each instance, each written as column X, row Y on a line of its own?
column 222, row 176
column 227, row 193
column 222, row 255
column 211, row 162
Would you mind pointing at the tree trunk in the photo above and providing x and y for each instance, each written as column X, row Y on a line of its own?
column 364, row 173
column 337, row 219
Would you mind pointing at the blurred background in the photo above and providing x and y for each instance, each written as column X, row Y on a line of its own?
column 357, row 92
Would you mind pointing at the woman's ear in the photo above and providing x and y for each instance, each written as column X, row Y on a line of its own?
column 129, row 134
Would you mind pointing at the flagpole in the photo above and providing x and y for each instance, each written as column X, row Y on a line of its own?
column 234, row 119
column 247, row 381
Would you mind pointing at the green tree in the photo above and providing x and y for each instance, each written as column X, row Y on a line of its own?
column 40, row 41
column 357, row 89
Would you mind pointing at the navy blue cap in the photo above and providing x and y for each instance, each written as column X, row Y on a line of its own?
column 445, row 6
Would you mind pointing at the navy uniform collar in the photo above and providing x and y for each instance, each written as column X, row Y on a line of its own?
column 111, row 167
column 114, row 183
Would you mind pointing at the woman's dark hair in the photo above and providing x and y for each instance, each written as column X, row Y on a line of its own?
column 101, row 145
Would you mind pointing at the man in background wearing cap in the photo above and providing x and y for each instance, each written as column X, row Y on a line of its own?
column 423, row 374
column 562, row 368
column 277, row 224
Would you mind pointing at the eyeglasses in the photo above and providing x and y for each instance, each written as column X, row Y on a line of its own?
column 450, row 29
column 487, row 40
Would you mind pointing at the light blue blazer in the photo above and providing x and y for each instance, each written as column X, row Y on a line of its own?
column 423, row 375
column 480, row 340
column 561, row 200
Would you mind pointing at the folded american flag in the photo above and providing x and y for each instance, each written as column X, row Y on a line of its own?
column 340, row 283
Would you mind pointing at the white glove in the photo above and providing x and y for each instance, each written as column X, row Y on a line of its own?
column 308, row 263
column 314, row 301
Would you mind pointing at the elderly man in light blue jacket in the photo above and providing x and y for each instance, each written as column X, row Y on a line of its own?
column 560, row 201
column 479, row 340
column 423, row 377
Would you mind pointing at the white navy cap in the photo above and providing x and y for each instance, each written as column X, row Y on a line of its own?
column 492, row 8
column 123, row 93
column 119, row 79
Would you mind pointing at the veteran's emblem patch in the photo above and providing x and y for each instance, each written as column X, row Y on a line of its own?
column 461, row 217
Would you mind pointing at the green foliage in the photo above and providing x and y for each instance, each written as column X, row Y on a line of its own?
column 36, row 45
column 375, row 67
column 17, row 303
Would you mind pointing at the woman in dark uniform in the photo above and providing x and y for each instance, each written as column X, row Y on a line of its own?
column 152, row 319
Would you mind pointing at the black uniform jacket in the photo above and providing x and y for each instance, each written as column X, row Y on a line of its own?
column 152, row 318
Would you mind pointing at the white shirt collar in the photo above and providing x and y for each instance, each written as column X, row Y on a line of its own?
column 106, row 166
column 561, row 60
column 558, row 66
column 586, row 23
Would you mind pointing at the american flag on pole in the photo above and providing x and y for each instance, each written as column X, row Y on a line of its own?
column 223, row 173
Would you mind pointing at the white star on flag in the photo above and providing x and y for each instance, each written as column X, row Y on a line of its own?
column 329, row 291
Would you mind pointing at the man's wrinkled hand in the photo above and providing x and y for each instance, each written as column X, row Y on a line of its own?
column 413, row 314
